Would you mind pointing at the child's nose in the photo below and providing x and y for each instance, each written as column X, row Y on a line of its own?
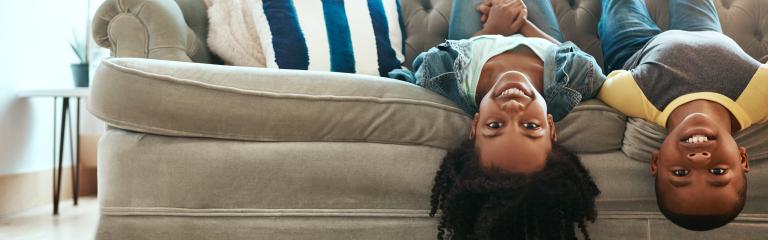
column 513, row 107
column 699, row 157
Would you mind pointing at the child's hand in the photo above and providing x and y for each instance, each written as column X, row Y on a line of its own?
column 485, row 7
column 504, row 17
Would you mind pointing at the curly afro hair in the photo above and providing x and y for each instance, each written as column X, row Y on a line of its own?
column 478, row 204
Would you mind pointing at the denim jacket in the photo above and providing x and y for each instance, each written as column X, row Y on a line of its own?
column 570, row 76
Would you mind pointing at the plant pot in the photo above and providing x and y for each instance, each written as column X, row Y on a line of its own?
column 80, row 74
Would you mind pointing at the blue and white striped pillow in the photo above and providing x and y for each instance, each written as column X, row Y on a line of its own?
column 353, row 36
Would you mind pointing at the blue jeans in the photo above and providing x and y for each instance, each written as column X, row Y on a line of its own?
column 626, row 26
column 465, row 19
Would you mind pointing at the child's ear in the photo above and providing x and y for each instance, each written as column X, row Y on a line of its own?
column 654, row 162
column 473, row 128
column 552, row 130
column 744, row 159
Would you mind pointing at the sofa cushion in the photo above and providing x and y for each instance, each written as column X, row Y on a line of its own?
column 273, row 189
column 145, row 172
column 201, row 100
column 592, row 127
column 158, row 187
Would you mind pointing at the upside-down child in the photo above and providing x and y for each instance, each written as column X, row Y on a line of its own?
column 699, row 85
column 510, row 180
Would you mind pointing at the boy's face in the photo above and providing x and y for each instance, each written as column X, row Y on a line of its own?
column 512, row 129
column 699, row 168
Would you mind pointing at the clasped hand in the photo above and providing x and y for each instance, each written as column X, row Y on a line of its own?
column 504, row 17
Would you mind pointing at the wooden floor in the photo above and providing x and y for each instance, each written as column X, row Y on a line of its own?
column 38, row 223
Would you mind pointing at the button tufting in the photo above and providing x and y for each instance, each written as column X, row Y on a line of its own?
column 759, row 35
column 726, row 3
column 572, row 4
column 426, row 5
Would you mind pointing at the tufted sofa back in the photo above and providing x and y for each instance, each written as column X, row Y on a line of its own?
column 427, row 21
column 745, row 21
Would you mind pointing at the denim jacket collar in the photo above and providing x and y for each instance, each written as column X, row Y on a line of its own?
column 570, row 76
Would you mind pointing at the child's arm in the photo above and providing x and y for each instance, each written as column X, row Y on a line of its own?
column 530, row 30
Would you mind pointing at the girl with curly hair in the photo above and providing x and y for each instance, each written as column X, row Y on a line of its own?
column 510, row 180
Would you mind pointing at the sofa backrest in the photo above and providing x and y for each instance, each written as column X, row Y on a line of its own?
column 427, row 21
column 743, row 20
column 740, row 19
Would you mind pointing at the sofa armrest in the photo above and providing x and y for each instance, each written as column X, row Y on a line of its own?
column 146, row 29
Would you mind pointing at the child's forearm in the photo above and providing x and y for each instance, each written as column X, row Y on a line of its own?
column 530, row 30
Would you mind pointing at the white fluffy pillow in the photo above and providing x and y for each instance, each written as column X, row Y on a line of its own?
column 232, row 34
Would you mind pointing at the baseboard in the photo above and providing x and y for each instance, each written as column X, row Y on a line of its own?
column 19, row 192
column 28, row 190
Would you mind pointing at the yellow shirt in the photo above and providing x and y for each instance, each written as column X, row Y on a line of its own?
column 622, row 92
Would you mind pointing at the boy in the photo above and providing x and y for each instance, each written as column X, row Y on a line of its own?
column 702, row 87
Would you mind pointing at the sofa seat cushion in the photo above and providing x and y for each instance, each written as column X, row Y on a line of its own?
column 164, row 175
column 263, row 190
column 280, row 190
column 273, row 228
column 241, row 103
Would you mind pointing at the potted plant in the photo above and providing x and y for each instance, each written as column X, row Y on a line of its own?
column 79, row 44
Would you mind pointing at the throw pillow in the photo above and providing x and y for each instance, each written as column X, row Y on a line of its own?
column 352, row 36
column 232, row 34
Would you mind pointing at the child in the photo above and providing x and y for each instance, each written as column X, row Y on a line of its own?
column 702, row 87
column 510, row 180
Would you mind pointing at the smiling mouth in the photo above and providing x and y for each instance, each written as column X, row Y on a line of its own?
column 699, row 138
column 513, row 92
column 698, row 141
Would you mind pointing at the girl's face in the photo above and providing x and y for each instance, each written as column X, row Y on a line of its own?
column 512, row 130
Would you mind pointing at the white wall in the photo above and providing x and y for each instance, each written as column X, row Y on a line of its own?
column 34, row 37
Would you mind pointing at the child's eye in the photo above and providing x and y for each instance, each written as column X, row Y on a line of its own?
column 531, row 126
column 718, row 171
column 680, row 172
column 493, row 125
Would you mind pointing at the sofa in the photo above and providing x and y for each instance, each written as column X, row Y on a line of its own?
column 198, row 150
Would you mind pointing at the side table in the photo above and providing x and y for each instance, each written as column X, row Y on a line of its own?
column 65, row 113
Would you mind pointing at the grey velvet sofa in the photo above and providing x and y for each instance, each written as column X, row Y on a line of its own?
column 197, row 150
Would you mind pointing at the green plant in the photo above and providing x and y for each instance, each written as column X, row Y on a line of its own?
column 79, row 44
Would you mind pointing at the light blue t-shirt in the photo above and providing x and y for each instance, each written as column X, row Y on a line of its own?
column 570, row 75
column 485, row 47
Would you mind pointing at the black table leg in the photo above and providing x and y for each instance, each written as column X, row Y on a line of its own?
column 58, row 176
column 74, row 145
column 55, row 113
column 76, row 158
column 71, row 152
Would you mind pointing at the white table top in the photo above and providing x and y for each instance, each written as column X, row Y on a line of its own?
column 63, row 92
